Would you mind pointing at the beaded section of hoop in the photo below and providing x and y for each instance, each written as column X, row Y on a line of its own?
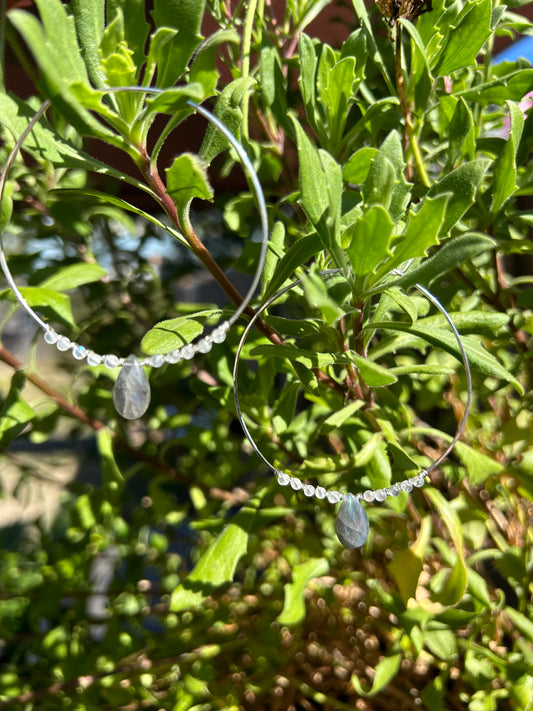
column 186, row 352
column 368, row 496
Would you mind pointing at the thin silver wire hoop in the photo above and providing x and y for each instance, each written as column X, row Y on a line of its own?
column 368, row 495
column 204, row 343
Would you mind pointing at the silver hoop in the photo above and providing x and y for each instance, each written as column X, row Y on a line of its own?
column 352, row 521
column 131, row 393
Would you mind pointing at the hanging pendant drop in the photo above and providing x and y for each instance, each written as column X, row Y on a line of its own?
column 352, row 523
column 131, row 393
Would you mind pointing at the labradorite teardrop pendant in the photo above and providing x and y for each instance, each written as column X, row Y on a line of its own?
column 352, row 523
column 131, row 393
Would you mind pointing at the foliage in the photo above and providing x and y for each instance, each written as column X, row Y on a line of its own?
column 224, row 591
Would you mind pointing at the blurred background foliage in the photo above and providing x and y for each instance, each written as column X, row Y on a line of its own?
column 155, row 564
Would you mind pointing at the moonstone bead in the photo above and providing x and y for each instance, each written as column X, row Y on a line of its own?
column 51, row 337
column 352, row 523
column 131, row 393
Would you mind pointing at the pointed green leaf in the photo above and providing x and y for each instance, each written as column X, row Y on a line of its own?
column 478, row 465
column 367, row 240
column 283, row 411
column 218, row 564
column 173, row 333
column 373, row 374
column 463, row 183
column 48, row 301
column 187, row 179
column 479, row 358
column 59, row 26
column 505, row 176
column 422, row 231
column 15, row 414
column 186, row 17
column 293, row 611
column 451, row 255
column 72, row 276
column 385, row 671
column 466, row 37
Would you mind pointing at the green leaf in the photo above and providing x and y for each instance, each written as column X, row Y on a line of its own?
column 462, row 134
column 477, row 355
column 136, row 28
column 283, row 411
column 307, row 358
column 465, row 38
column 453, row 588
column 123, row 205
column 338, row 418
column 380, row 182
column 89, row 18
column 50, row 302
column 297, row 255
column 422, row 231
column 274, row 253
column 451, row 255
column 318, row 297
column 308, row 65
column 218, row 564
column 463, row 183
column 56, row 72
column 15, row 414
column 335, row 95
column 173, row 333
column 64, row 49
column 505, row 176
column 384, row 673
column 228, row 109
column 187, row 179
column 293, row 611
column 204, row 69
column 72, row 276
column 478, row 465
column 112, row 476
column 442, row 643
column 186, row 17
column 356, row 168
column 373, row 374
column 367, row 240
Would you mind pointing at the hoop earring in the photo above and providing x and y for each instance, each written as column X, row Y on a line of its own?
column 131, row 392
column 352, row 524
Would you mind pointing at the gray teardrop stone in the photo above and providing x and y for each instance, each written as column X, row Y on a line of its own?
column 352, row 523
column 131, row 393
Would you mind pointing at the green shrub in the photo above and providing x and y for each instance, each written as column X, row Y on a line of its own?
column 225, row 591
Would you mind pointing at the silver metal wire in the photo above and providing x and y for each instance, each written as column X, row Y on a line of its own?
column 369, row 495
column 219, row 334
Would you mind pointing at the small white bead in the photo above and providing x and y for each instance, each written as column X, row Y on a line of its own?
column 63, row 343
column 111, row 361
column 283, row 479
column 296, row 483
column 394, row 490
column 173, row 356
column 93, row 359
column 219, row 334
column 156, row 361
column 204, row 345
column 380, row 494
column 369, row 496
column 51, row 337
column 419, row 480
column 79, row 352
column 187, row 352
column 334, row 497
column 407, row 485
column 309, row 490
column 320, row 492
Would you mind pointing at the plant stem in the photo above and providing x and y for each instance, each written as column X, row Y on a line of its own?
column 153, row 178
column 245, row 61
column 410, row 133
